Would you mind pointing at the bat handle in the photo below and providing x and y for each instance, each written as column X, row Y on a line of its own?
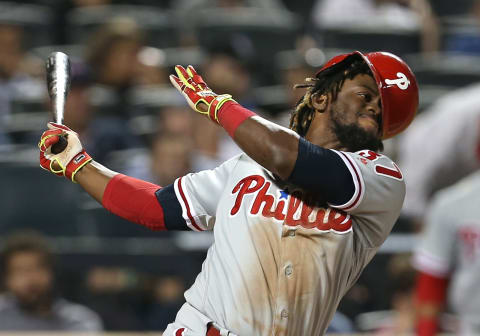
column 60, row 145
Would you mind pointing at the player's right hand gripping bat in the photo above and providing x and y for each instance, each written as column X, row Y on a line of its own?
column 58, row 84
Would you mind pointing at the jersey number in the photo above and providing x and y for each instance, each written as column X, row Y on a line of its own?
column 394, row 172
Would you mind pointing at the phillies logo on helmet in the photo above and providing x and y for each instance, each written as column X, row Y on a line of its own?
column 402, row 81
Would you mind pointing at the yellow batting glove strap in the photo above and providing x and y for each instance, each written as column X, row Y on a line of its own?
column 80, row 167
column 61, row 171
column 218, row 103
column 202, row 101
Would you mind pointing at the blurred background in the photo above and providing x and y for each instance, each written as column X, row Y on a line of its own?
column 97, row 271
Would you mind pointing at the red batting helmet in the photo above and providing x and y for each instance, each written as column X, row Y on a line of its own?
column 397, row 86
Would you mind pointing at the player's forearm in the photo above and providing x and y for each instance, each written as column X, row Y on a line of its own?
column 94, row 178
column 272, row 146
column 127, row 197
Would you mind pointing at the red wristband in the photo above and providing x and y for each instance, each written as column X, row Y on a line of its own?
column 232, row 115
column 135, row 201
column 77, row 163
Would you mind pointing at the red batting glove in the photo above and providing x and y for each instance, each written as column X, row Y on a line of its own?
column 196, row 91
column 68, row 162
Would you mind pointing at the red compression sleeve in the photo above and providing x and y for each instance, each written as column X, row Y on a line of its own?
column 134, row 200
column 430, row 290
column 427, row 327
column 231, row 115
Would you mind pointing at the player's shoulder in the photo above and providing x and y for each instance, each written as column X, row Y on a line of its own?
column 366, row 156
column 229, row 164
column 376, row 165
column 245, row 161
column 240, row 162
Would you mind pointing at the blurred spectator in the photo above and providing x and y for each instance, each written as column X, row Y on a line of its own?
column 218, row 13
column 168, row 298
column 401, row 276
column 113, row 58
column 441, row 146
column 170, row 158
column 295, row 66
column 178, row 120
column 152, row 69
column 15, row 81
column 400, row 318
column 448, row 259
column 466, row 39
column 171, row 149
column 211, row 145
column 117, row 294
column 29, row 302
column 411, row 15
column 101, row 134
column 62, row 8
column 226, row 70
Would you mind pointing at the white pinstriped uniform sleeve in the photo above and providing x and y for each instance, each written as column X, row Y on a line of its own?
column 435, row 254
column 378, row 197
column 199, row 195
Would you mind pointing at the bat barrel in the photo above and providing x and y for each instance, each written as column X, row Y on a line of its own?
column 58, row 85
column 58, row 82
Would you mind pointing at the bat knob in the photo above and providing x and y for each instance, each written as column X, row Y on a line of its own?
column 60, row 145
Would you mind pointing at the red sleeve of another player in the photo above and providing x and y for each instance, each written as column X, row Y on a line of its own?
column 431, row 288
column 134, row 200
column 430, row 291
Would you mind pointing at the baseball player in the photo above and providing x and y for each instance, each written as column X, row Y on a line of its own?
column 296, row 217
column 449, row 258
column 452, row 124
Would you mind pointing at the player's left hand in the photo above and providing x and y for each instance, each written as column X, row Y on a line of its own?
column 198, row 95
column 69, row 161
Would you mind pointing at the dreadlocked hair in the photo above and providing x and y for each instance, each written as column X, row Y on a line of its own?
column 328, row 81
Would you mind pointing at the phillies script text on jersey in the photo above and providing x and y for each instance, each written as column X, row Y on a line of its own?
column 288, row 207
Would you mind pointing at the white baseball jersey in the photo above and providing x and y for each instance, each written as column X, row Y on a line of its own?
column 450, row 246
column 281, row 261
column 452, row 125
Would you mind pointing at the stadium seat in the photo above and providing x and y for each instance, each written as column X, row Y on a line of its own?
column 444, row 8
column 33, row 198
column 36, row 21
column 248, row 30
column 159, row 25
column 399, row 42
column 445, row 69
